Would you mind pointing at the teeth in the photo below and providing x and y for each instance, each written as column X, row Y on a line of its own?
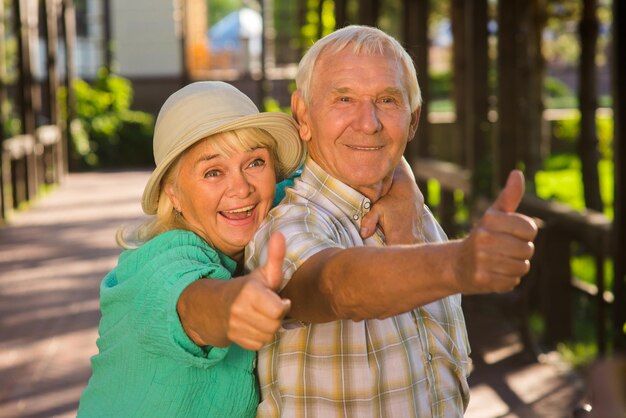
column 247, row 209
column 367, row 148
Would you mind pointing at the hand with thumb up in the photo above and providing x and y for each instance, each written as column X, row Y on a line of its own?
column 245, row 310
column 256, row 310
column 497, row 252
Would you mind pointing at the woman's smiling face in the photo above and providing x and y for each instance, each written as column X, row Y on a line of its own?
column 224, row 198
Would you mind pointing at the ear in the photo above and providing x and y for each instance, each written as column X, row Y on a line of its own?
column 415, row 120
column 300, row 113
column 170, row 191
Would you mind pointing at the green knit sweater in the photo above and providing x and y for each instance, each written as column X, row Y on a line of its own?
column 147, row 365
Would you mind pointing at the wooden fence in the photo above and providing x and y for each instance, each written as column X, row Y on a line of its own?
column 550, row 284
column 28, row 163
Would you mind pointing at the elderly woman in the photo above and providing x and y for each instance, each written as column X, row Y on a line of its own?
column 217, row 162
column 178, row 331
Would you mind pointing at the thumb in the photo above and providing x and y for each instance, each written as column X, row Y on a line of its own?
column 273, row 268
column 510, row 197
column 369, row 222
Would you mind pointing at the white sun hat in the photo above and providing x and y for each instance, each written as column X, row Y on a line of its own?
column 205, row 108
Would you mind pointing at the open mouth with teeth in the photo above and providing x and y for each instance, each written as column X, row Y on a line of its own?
column 238, row 214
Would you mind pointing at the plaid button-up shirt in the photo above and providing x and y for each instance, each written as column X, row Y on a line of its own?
column 410, row 365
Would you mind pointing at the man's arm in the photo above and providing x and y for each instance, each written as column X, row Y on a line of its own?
column 373, row 282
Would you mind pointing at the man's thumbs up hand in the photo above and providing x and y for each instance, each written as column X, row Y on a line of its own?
column 497, row 252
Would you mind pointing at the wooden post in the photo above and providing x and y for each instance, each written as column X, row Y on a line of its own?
column 519, row 88
column 479, row 156
column 5, row 173
column 51, row 36
column 24, row 96
column 3, row 87
column 600, row 305
column 320, row 20
column 530, row 143
column 108, row 49
column 417, row 43
column 459, row 68
column 557, row 291
column 341, row 16
column 368, row 12
column 520, row 79
column 588, row 103
column 619, row 152
column 69, row 42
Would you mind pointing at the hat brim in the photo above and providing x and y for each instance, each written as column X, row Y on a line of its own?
column 289, row 148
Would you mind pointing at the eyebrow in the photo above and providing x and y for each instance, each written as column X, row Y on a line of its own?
column 209, row 157
column 389, row 90
column 203, row 158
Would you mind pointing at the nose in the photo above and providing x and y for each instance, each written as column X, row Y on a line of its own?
column 367, row 120
column 239, row 186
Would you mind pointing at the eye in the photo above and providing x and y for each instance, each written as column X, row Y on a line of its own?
column 344, row 99
column 388, row 100
column 257, row 162
column 212, row 173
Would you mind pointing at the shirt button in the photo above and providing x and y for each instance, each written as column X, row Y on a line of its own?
column 355, row 217
column 430, row 357
column 366, row 205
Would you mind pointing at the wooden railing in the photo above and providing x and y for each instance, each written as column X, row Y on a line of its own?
column 551, row 281
column 27, row 163
column 563, row 226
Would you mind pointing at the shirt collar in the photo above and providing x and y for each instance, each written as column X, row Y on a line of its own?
column 350, row 202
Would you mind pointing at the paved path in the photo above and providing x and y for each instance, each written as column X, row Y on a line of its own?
column 53, row 256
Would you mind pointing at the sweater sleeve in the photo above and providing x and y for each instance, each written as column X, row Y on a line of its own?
column 165, row 267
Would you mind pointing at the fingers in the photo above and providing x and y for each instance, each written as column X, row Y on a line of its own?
column 250, row 337
column 256, row 315
column 504, row 245
column 251, row 331
column 515, row 224
column 510, row 197
column 369, row 222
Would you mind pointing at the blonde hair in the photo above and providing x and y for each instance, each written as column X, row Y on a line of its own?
column 166, row 218
column 364, row 40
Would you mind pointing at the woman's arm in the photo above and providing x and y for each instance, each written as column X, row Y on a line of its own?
column 245, row 310
column 399, row 212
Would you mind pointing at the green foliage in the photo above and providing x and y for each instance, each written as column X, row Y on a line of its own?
column 11, row 125
column 10, row 58
column 561, row 180
column 440, row 86
column 584, row 268
column 568, row 130
column 314, row 23
column 271, row 105
column 558, row 95
column 389, row 16
column 578, row 354
column 108, row 133
column 554, row 87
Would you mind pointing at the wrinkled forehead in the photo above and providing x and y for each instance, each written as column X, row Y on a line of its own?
column 357, row 64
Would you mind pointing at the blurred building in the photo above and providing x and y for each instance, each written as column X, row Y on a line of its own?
column 162, row 44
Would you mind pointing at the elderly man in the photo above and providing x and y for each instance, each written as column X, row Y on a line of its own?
column 374, row 330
